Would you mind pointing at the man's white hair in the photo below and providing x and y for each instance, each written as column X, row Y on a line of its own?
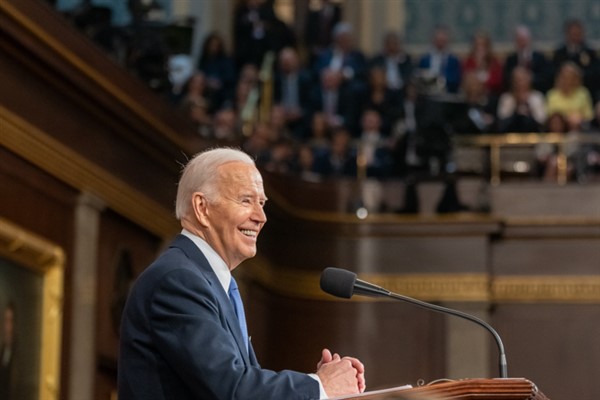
column 200, row 175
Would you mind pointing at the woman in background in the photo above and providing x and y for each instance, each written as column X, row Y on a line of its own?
column 484, row 63
column 570, row 98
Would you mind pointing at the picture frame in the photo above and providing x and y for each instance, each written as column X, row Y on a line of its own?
column 31, row 286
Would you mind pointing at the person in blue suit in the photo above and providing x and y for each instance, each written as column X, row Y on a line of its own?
column 183, row 331
column 439, row 62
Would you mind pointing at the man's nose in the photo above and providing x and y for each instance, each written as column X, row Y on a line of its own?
column 259, row 214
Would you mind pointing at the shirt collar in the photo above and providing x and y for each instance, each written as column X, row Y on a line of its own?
column 214, row 260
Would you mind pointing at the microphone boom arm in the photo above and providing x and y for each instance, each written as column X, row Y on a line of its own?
column 503, row 368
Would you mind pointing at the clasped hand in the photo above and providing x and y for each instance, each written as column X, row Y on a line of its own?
column 341, row 375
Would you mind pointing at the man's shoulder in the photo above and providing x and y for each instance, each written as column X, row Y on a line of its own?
column 181, row 257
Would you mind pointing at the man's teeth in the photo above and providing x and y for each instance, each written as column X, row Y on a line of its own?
column 248, row 232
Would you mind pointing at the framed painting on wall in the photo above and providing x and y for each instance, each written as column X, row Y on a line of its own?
column 31, row 292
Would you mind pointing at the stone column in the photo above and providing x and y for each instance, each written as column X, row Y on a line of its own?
column 372, row 19
column 83, row 311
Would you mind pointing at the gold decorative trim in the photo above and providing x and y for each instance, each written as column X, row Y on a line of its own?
column 540, row 289
column 435, row 287
column 133, row 104
column 428, row 287
column 48, row 259
column 60, row 161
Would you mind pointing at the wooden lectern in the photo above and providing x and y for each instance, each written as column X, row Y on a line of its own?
column 464, row 389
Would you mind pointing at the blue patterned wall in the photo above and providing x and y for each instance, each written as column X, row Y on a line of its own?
column 545, row 18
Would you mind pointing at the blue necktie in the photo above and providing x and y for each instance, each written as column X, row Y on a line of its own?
column 236, row 299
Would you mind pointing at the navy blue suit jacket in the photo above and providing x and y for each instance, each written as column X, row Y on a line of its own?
column 451, row 71
column 180, row 339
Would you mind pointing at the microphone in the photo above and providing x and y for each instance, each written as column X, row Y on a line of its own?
column 344, row 284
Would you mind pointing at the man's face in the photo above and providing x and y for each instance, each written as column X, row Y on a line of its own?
column 236, row 216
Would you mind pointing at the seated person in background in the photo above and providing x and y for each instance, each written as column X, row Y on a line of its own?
column 340, row 159
column 522, row 109
column 486, row 66
column 226, row 126
column 440, row 63
column 197, row 105
column 396, row 64
column 305, row 164
column 343, row 57
column 337, row 100
column 404, row 135
column 526, row 57
column 569, row 97
column 292, row 90
column 219, row 70
column 379, row 97
column 478, row 114
column 546, row 152
column 319, row 140
column 576, row 50
column 373, row 147
column 320, row 22
column 592, row 151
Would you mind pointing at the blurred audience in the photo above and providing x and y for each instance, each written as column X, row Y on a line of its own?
column 326, row 109
column 483, row 62
column 219, row 70
column 576, row 50
column 439, row 63
column 527, row 57
column 337, row 100
column 569, row 97
column 383, row 99
column 343, row 57
column 522, row 109
column 395, row 63
column 318, row 31
column 292, row 91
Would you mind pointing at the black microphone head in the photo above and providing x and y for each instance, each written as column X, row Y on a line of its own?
column 338, row 282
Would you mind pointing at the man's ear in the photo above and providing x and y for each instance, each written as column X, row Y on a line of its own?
column 200, row 207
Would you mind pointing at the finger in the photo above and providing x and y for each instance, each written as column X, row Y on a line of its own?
column 362, row 384
column 325, row 358
column 326, row 355
column 356, row 364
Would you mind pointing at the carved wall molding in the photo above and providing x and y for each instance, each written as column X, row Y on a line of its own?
column 66, row 165
column 435, row 287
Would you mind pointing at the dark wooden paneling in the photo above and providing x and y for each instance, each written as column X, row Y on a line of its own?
column 41, row 204
column 124, row 251
column 554, row 345
column 396, row 342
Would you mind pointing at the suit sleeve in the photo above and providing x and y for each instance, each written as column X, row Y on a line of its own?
column 191, row 332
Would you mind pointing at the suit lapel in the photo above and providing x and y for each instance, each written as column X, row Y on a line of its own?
column 194, row 253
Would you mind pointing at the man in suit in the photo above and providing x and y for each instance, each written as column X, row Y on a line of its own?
column 440, row 63
column 343, row 56
column 338, row 100
column 395, row 62
column 319, row 27
column 576, row 49
column 527, row 57
column 183, row 333
column 292, row 90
